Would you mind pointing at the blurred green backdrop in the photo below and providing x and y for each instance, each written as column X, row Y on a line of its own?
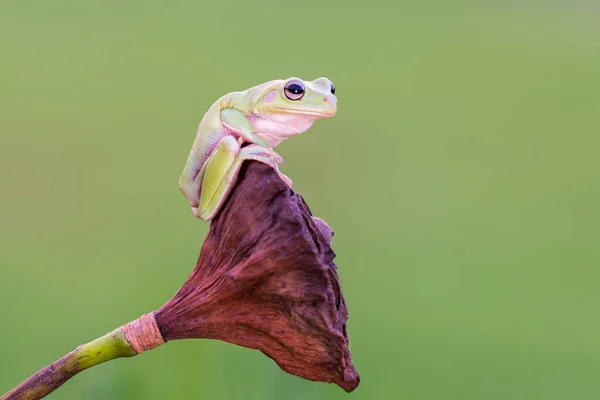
column 460, row 175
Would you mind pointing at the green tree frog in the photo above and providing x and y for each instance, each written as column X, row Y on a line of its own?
column 247, row 126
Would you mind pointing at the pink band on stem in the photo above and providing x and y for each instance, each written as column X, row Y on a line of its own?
column 143, row 333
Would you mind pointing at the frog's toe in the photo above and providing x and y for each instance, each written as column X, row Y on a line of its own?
column 287, row 180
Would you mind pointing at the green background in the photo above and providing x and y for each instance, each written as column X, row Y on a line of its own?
column 460, row 176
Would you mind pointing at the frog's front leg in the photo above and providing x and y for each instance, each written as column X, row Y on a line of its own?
column 221, row 170
column 235, row 121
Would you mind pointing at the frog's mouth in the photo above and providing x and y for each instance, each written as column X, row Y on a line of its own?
column 308, row 112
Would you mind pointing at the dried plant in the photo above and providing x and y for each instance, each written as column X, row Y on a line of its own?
column 265, row 279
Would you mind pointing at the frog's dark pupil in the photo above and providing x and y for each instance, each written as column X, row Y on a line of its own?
column 332, row 89
column 295, row 88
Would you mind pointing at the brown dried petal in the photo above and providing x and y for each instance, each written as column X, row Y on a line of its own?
column 265, row 279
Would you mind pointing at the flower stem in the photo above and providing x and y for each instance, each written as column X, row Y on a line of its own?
column 110, row 346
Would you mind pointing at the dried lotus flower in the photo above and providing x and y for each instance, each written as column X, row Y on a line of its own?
column 265, row 279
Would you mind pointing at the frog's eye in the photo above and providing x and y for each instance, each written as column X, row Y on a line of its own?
column 332, row 88
column 294, row 90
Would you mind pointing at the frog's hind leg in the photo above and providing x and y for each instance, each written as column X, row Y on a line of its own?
column 221, row 171
column 191, row 180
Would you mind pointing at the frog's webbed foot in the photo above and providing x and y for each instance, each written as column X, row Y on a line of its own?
column 277, row 158
column 253, row 150
column 284, row 178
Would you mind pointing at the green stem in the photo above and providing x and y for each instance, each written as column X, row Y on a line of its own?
column 105, row 348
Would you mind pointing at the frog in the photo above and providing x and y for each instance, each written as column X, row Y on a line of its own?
column 248, row 125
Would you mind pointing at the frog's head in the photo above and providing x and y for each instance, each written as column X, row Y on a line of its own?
column 288, row 107
column 295, row 96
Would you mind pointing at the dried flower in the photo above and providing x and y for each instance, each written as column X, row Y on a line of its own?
column 265, row 279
